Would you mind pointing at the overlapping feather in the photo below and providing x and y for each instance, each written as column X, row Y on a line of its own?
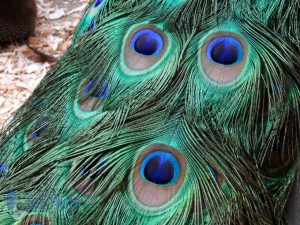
column 226, row 135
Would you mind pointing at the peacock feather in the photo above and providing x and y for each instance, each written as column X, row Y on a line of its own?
column 162, row 112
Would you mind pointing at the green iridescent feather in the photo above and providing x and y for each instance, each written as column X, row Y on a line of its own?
column 226, row 127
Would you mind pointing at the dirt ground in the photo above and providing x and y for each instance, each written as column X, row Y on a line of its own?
column 21, row 69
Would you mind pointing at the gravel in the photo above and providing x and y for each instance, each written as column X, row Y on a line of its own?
column 21, row 69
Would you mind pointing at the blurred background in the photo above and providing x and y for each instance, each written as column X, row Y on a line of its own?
column 21, row 69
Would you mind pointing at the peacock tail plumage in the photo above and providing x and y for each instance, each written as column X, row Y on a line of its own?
column 162, row 112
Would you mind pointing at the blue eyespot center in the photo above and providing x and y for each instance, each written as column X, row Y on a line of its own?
column 92, row 25
column 98, row 2
column 161, row 168
column 225, row 50
column 159, row 171
column 147, row 42
column 3, row 166
column 3, row 169
column 96, row 89
column 40, row 128
column 213, row 172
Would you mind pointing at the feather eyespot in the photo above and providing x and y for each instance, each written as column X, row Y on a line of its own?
column 98, row 2
column 225, row 51
column 216, row 174
column 35, row 220
column 160, row 167
column 223, row 57
column 88, row 23
column 147, row 43
column 93, row 169
column 92, row 95
column 90, row 174
column 91, row 26
column 92, row 14
column 220, row 180
column 281, row 156
column 3, row 169
column 144, row 47
column 158, row 175
column 37, row 131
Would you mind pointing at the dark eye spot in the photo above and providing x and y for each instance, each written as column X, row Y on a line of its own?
column 225, row 50
column 98, row 2
column 160, row 167
column 94, row 168
column 159, row 171
column 92, row 25
column 39, row 129
column 147, row 42
column 3, row 169
column 96, row 89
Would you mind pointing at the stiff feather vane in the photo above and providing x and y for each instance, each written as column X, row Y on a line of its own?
column 162, row 112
